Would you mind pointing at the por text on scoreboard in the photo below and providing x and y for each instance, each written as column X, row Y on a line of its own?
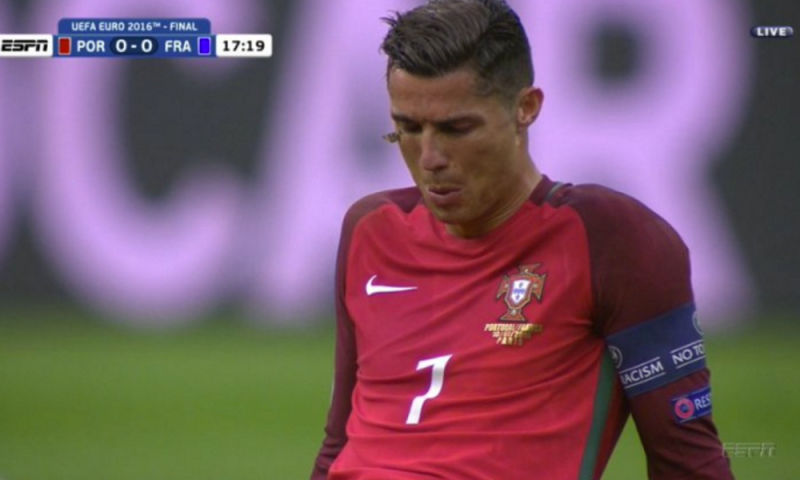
column 136, row 38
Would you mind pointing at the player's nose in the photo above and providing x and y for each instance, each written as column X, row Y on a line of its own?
column 431, row 156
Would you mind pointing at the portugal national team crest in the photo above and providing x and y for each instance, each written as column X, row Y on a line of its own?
column 517, row 290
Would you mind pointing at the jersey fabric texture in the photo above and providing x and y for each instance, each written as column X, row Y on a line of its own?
column 486, row 358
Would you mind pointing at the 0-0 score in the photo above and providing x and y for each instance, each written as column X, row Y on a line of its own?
column 140, row 45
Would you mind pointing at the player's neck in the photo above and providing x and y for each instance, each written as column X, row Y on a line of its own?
column 504, row 210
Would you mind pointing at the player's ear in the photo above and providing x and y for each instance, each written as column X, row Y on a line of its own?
column 529, row 104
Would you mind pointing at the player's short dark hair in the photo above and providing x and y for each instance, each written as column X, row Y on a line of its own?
column 445, row 35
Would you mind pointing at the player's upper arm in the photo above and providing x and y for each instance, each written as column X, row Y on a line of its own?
column 644, row 308
column 345, row 364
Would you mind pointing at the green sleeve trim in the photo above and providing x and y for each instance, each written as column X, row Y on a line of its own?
column 602, row 399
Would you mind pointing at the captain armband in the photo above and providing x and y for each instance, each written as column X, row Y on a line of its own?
column 658, row 351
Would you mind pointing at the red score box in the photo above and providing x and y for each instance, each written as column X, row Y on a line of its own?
column 64, row 46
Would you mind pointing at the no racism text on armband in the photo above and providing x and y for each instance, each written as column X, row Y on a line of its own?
column 658, row 351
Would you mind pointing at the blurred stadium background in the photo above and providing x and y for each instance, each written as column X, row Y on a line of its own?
column 167, row 228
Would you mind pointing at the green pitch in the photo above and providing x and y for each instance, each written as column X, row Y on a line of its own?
column 82, row 400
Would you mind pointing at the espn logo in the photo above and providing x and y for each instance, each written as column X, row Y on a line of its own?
column 26, row 45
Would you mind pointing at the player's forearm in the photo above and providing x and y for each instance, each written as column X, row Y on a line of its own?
column 680, row 443
column 335, row 428
column 344, row 381
column 331, row 447
column 717, row 469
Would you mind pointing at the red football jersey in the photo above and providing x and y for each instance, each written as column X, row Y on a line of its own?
column 486, row 358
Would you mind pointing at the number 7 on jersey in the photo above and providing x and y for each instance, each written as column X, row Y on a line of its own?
column 437, row 380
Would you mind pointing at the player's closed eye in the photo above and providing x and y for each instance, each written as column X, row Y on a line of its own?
column 409, row 127
column 450, row 129
column 456, row 129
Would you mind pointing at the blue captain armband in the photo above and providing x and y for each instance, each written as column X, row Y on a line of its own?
column 659, row 351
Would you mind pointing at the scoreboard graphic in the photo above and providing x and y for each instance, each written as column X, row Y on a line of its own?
column 136, row 38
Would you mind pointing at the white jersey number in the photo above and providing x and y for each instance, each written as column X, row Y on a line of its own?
column 437, row 379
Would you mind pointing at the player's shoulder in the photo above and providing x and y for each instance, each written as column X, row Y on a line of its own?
column 609, row 214
column 404, row 199
column 639, row 264
column 603, row 203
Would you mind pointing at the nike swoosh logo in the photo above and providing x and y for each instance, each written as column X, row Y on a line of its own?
column 372, row 289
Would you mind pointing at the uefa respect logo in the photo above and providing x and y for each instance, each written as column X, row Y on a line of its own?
column 692, row 405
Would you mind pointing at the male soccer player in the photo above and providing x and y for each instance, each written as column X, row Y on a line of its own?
column 493, row 323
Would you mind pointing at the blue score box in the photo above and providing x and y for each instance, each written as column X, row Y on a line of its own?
column 204, row 46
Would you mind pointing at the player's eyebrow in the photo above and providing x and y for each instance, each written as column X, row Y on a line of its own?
column 472, row 118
